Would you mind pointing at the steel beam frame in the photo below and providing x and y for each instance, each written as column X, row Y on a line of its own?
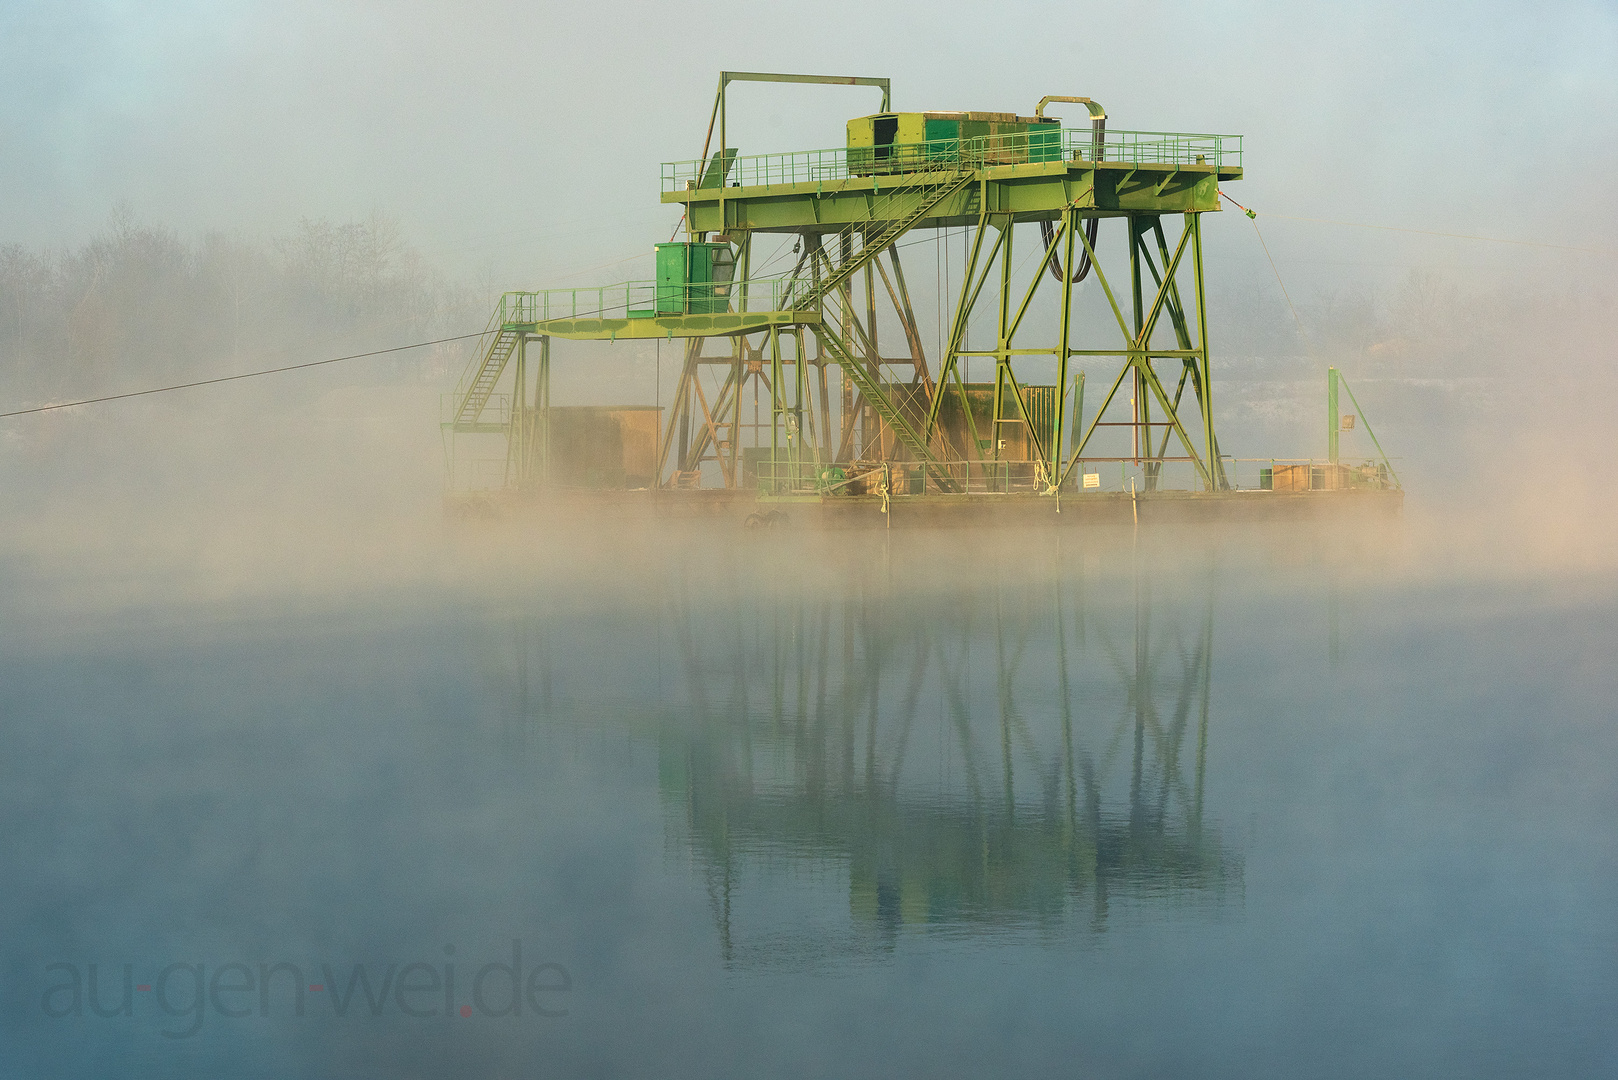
column 833, row 297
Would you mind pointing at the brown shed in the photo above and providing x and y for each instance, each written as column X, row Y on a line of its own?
column 952, row 422
column 603, row 446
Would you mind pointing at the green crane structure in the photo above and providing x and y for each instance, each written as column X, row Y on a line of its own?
column 850, row 210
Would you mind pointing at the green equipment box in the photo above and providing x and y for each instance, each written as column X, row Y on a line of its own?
column 911, row 142
column 694, row 279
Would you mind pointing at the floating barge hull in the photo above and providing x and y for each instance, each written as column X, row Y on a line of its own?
column 739, row 508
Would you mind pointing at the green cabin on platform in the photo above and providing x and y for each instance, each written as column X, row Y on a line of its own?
column 694, row 279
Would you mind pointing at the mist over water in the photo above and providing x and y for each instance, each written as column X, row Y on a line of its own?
column 354, row 786
column 1327, row 799
column 1240, row 802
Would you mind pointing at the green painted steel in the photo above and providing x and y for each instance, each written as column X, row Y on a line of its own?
column 1031, row 192
column 1074, row 146
column 875, row 427
column 1387, row 463
column 667, row 327
column 694, row 278
column 1333, row 423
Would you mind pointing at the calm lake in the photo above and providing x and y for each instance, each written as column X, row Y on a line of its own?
column 1245, row 804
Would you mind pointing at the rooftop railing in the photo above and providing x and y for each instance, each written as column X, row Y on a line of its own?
column 1070, row 144
column 786, row 475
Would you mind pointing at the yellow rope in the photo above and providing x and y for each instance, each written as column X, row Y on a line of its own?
column 234, row 378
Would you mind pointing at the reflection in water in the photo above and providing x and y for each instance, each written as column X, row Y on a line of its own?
column 981, row 803
column 1025, row 752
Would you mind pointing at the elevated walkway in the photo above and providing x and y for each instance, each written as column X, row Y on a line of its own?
column 626, row 311
column 629, row 310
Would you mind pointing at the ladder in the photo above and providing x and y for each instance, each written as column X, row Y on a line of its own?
column 874, row 397
column 469, row 405
column 895, row 220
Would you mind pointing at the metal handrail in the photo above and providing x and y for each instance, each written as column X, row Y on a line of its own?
column 1073, row 144
column 475, row 362
column 784, row 476
column 628, row 299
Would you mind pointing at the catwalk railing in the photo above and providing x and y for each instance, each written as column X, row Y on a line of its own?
column 897, row 479
column 1068, row 144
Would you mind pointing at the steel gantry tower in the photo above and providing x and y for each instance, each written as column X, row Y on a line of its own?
column 848, row 411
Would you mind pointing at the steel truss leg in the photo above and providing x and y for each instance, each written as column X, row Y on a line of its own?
column 1070, row 225
column 517, row 447
column 541, row 431
column 1138, row 353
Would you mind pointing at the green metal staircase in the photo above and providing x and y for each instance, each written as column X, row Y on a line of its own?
column 894, row 216
column 484, row 374
column 878, row 401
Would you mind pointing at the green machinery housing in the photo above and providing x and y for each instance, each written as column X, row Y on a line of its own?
column 887, row 143
column 693, row 278
column 789, row 383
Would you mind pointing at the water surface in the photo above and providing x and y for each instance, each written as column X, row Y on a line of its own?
column 1249, row 805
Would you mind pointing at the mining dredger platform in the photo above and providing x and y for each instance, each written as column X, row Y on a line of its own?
column 850, row 420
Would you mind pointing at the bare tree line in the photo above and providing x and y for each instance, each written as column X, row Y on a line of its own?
column 136, row 303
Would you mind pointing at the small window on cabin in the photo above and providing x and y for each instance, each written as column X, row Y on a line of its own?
column 724, row 268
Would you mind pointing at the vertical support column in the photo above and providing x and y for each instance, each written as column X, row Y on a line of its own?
column 542, row 413
column 683, row 403
column 847, row 438
column 1070, row 222
column 695, row 432
column 813, row 255
column 738, row 374
column 1138, row 384
column 1003, row 323
column 777, row 408
column 847, row 434
column 1217, row 481
column 825, row 402
column 873, row 360
column 1333, row 422
column 800, row 399
column 517, row 448
column 1153, row 469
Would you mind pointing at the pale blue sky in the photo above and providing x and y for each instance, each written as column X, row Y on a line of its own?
column 522, row 141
